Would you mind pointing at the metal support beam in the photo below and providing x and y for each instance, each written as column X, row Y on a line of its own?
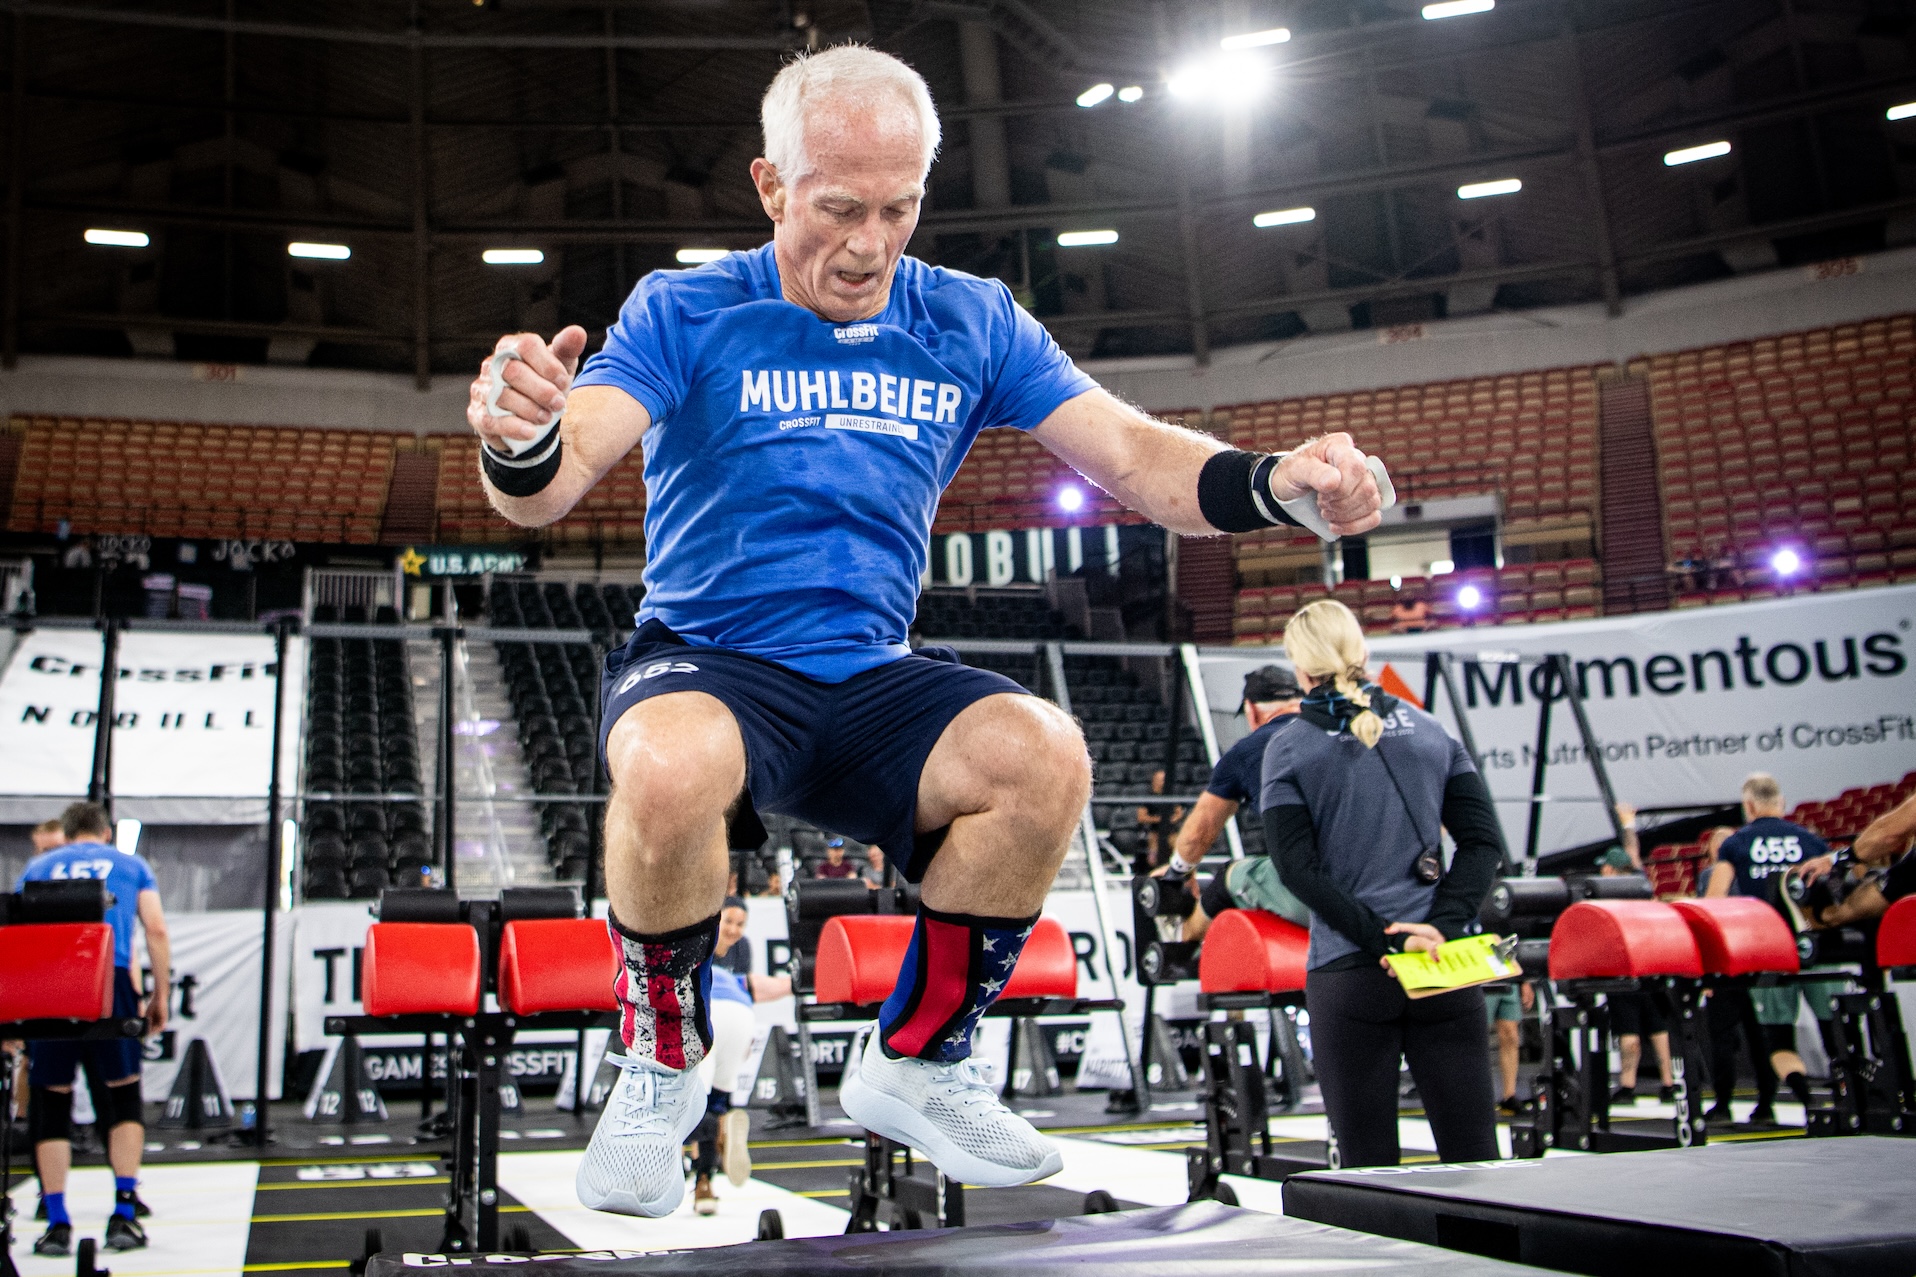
column 269, row 907
column 99, row 787
column 16, row 181
column 1607, row 278
column 421, row 232
column 1207, row 732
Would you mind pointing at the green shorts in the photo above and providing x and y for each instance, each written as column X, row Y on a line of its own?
column 1777, row 1005
column 1504, row 1004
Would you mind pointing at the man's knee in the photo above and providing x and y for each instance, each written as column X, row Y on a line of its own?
column 1028, row 750
column 675, row 760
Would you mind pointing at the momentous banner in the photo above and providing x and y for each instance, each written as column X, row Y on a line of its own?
column 1818, row 690
column 192, row 720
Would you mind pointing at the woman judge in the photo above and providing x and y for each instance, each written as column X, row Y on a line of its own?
column 1353, row 813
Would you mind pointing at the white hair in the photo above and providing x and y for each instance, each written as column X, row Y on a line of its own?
column 849, row 72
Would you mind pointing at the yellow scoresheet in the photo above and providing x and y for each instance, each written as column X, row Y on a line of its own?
column 1457, row 964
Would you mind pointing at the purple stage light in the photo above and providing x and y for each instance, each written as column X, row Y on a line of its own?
column 1470, row 598
column 1786, row 562
column 1071, row 500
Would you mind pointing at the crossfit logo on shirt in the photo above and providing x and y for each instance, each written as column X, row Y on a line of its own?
column 654, row 670
column 900, row 398
column 799, row 423
column 856, row 334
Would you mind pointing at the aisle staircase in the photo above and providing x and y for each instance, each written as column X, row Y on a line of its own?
column 411, row 499
column 1633, row 554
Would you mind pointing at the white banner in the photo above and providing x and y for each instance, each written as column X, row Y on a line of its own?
column 192, row 721
column 1818, row 690
column 216, row 985
column 327, row 942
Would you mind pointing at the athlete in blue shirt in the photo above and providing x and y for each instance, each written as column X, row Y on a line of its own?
column 89, row 854
column 800, row 409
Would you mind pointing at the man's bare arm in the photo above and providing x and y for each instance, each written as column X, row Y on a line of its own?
column 1202, row 826
column 1152, row 466
column 1887, row 836
column 1722, row 876
column 601, row 423
column 159, row 957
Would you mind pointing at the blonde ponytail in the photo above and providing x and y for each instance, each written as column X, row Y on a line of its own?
column 1325, row 642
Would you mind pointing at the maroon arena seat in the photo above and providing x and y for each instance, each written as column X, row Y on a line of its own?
column 56, row 971
column 1622, row 939
column 1251, row 951
column 1739, row 935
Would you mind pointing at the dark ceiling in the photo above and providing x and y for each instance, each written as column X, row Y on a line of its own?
column 609, row 134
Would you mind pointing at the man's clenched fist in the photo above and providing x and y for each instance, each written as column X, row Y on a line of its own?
column 536, row 386
column 1333, row 468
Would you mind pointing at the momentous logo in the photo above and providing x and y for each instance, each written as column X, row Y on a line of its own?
column 856, row 334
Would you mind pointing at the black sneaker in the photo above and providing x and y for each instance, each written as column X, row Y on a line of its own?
column 123, row 1234
column 1763, row 1115
column 140, row 1209
column 57, row 1240
column 1510, row 1106
column 1666, row 1095
column 1624, row 1095
column 1720, row 1116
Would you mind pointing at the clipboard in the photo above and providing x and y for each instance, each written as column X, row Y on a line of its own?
column 1457, row 964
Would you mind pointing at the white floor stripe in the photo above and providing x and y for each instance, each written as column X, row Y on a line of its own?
column 201, row 1216
column 543, row 1181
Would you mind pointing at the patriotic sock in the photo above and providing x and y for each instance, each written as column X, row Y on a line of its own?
column 123, row 1186
column 955, row 967
column 663, row 987
column 57, row 1209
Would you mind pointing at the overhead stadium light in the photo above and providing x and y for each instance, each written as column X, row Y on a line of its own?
column 1095, row 94
column 322, row 252
column 1442, row 567
column 1229, row 79
column 1901, row 111
column 1479, row 190
column 1691, row 154
column 1086, row 239
column 1131, row 93
column 700, row 256
column 1284, row 217
column 1786, row 562
column 1255, row 39
column 512, row 256
column 117, row 239
column 1457, row 8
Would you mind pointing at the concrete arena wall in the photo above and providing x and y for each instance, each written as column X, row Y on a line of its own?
column 1758, row 305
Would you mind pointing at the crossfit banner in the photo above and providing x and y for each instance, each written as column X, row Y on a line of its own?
column 216, row 978
column 192, row 722
column 1818, row 690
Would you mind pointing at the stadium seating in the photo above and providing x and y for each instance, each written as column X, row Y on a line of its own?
column 173, row 479
column 1518, row 592
column 360, row 741
column 1009, row 480
column 612, row 513
column 1832, row 409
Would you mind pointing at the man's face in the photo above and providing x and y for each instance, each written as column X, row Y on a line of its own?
column 840, row 230
column 835, row 854
column 731, row 927
column 875, row 857
column 47, row 840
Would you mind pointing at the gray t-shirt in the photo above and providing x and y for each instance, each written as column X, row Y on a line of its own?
column 1367, row 839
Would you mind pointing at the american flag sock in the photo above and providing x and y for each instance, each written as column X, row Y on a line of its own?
column 955, row 967
column 663, row 988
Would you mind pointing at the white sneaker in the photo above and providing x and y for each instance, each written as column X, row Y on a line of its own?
column 735, row 1148
column 634, row 1164
column 951, row 1114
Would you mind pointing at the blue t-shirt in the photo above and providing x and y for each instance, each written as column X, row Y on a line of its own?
column 126, row 877
column 1239, row 775
column 1763, row 851
column 793, row 465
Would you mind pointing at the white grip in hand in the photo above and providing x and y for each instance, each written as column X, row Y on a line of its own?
column 496, row 386
column 1304, row 509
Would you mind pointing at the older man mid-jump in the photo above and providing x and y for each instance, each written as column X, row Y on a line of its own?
column 801, row 407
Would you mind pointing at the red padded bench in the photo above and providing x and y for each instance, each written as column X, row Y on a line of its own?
column 1740, row 936
column 1896, row 936
column 859, row 956
column 1622, row 940
column 1249, row 951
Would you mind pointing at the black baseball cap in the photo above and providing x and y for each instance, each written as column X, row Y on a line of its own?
column 1271, row 683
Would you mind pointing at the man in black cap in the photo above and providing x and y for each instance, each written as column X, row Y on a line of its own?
column 1271, row 697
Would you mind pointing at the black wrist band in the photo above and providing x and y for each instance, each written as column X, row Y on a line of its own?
column 527, row 474
column 1234, row 492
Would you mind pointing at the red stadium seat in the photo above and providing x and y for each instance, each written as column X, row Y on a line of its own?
column 56, row 971
column 859, row 956
column 1896, row 936
column 1739, row 935
column 1251, row 951
column 557, row 964
column 1622, row 939
column 420, row 968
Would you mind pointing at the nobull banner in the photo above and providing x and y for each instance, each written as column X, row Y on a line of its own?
column 1818, row 690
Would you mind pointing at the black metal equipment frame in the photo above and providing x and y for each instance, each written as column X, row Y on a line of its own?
column 1237, row 1102
column 1569, row 1106
column 1873, row 1084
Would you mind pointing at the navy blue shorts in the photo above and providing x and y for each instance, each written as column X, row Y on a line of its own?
column 53, row 1062
column 846, row 757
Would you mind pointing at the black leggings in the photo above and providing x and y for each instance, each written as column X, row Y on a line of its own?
column 1730, row 1013
column 1361, row 1022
